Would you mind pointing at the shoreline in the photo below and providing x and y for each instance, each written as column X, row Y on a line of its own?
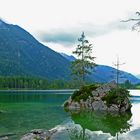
column 43, row 91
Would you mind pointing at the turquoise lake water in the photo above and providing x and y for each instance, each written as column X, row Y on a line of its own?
column 22, row 112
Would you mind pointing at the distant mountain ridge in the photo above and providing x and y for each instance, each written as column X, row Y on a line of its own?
column 22, row 55
column 68, row 57
column 102, row 73
column 138, row 76
column 107, row 73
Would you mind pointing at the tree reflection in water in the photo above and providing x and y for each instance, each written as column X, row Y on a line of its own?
column 112, row 123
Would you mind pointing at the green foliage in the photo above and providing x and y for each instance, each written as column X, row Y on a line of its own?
column 22, row 55
column 131, row 86
column 66, row 104
column 84, row 92
column 106, row 122
column 137, row 86
column 81, row 66
column 76, row 134
column 127, row 85
column 19, row 82
column 116, row 96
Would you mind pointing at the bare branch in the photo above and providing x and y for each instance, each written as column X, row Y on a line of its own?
column 132, row 19
column 138, row 13
column 122, row 63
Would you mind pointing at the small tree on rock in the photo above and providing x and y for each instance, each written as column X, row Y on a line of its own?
column 85, row 62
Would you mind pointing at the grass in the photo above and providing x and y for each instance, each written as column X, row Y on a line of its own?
column 116, row 96
column 84, row 92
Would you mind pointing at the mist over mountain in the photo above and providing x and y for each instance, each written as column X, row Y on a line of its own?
column 22, row 55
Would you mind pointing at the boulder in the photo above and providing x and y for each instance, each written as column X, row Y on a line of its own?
column 6, row 136
column 97, row 101
column 113, row 108
column 74, row 105
column 99, row 105
column 38, row 134
column 102, row 90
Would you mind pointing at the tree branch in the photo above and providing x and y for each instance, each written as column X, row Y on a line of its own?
column 132, row 19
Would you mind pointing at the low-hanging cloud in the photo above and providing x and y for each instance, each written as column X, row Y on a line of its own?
column 70, row 35
column 59, row 37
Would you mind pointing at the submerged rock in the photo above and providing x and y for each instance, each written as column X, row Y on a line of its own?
column 6, row 136
column 107, row 97
column 2, row 111
column 38, row 134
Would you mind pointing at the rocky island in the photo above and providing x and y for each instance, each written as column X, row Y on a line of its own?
column 107, row 97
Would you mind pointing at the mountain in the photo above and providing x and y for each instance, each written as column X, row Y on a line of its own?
column 138, row 76
column 22, row 54
column 103, row 73
column 68, row 57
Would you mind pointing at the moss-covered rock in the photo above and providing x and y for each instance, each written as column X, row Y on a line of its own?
column 107, row 97
column 116, row 96
column 84, row 92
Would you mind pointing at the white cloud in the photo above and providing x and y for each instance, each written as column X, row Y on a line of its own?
column 122, row 43
column 93, row 16
column 50, row 14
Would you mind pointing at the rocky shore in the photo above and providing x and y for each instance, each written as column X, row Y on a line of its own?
column 107, row 97
column 39, row 134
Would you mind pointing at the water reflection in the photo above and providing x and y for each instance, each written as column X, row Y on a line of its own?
column 37, row 97
column 27, row 111
column 22, row 112
column 99, row 121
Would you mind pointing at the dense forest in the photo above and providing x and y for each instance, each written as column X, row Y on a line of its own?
column 40, row 83
column 35, row 83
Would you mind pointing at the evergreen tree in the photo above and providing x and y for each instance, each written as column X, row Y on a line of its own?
column 128, row 84
column 85, row 62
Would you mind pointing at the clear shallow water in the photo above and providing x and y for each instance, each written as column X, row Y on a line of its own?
column 22, row 112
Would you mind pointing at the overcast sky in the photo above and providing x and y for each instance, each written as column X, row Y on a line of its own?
column 58, row 24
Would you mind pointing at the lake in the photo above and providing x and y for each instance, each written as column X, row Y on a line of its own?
column 21, row 112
